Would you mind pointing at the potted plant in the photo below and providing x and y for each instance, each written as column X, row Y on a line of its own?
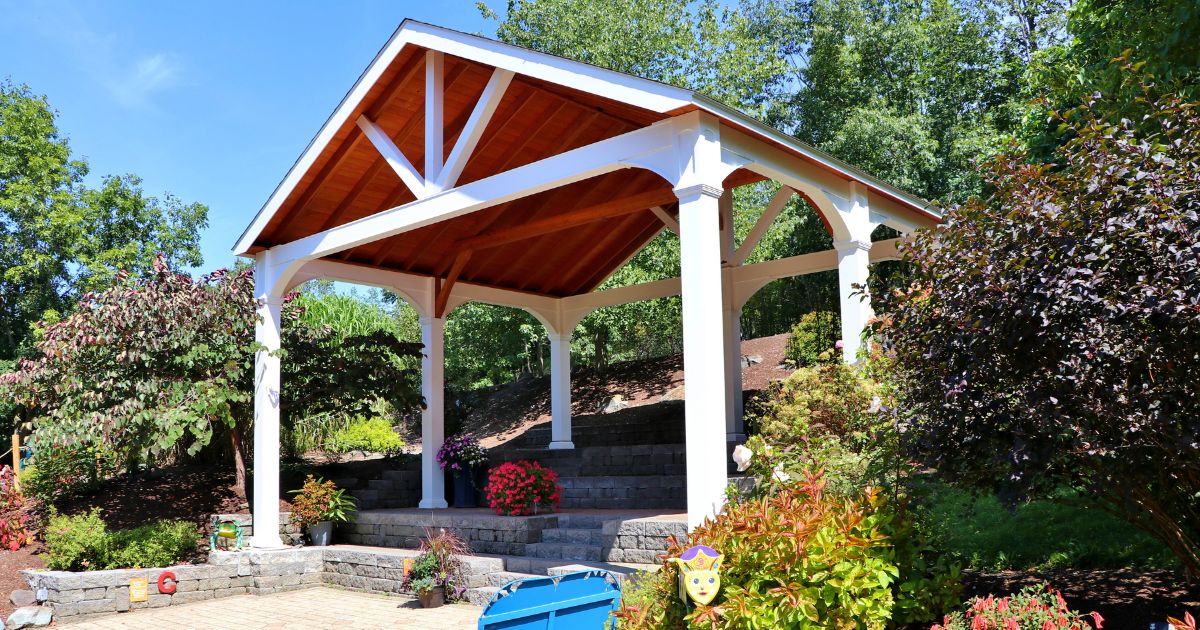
column 522, row 488
column 436, row 575
column 318, row 505
column 461, row 456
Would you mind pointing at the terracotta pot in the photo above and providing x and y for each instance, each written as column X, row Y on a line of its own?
column 432, row 598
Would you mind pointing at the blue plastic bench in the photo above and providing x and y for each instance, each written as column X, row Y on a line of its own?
column 582, row 600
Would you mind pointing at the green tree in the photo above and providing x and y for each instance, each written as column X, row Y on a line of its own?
column 59, row 238
column 1051, row 336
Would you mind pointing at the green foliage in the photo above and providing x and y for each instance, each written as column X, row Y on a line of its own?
column 1051, row 339
column 439, row 565
column 156, row 544
column 75, row 543
column 800, row 558
column 60, row 238
column 813, row 338
column 1034, row 607
column 319, row 501
column 65, row 472
column 1043, row 535
column 83, row 543
column 372, row 435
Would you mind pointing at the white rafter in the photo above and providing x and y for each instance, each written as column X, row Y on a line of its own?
column 394, row 157
column 774, row 207
column 464, row 147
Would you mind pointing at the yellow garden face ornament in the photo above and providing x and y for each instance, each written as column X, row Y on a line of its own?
column 698, row 577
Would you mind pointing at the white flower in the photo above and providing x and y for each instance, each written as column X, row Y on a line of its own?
column 779, row 475
column 741, row 457
column 876, row 405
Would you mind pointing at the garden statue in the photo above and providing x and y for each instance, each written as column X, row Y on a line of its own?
column 228, row 530
column 698, row 576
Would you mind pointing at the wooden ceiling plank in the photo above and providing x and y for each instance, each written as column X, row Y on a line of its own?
column 600, row 250
column 604, row 269
column 616, row 207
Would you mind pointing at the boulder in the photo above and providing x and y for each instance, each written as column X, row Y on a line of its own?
column 30, row 617
column 22, row 598
column 616, row 402
column 751, row 359
column 674, row 394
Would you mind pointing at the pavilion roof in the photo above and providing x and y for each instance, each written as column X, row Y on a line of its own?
column 560, row 242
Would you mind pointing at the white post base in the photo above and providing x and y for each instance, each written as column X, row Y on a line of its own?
column 562, row 446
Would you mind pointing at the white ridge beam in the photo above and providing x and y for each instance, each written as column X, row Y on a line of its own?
column 464, row 147
column 394, row 157
column 770, row 213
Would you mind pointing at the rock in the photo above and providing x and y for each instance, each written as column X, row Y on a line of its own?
column 751, row 359
column 674, row 394
column 616, row 402
column 30, row 617
column 22, row 598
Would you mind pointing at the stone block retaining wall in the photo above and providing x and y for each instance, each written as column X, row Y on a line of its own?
column 639, row 540
column 228, row 573
column 504, row 535
column 290, row 532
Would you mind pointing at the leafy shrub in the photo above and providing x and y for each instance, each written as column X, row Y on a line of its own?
column 320, row 500
column 76, row 543
column 829, row 416
column 83, row 543
column 157, row 544
column 803, row 559
column 813, row 339
column 518, row 488
column 374, row 435
column 67, row 471
column 1034, row 607
column 14, row 513
column 1051, row 336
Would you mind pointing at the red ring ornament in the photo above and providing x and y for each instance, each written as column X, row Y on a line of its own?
column 162, row 583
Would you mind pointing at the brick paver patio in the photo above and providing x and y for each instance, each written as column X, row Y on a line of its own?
column 310, row 609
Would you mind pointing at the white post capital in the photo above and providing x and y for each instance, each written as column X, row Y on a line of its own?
column 691, row 193
column 433, row 431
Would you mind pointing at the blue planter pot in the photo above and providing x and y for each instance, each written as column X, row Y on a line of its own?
column 464, row 489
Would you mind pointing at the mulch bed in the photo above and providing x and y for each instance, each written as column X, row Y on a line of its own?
column 11, row 563
column 1125, row 598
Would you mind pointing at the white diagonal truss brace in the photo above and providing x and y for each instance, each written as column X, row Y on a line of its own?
column 493, row 92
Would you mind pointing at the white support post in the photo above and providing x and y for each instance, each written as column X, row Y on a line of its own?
column 433, row 366
column 560, row 391
column 734, row 427
column 266, row 418
column 853, row 260
column 705, row 366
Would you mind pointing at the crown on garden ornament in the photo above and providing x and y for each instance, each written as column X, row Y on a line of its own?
column 700, row 558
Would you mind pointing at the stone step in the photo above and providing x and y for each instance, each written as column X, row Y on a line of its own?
column 573, row 536
column 582, row 521
column 563, row 551
column 480, row 596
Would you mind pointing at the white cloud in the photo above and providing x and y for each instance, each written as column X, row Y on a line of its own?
column 136, row 84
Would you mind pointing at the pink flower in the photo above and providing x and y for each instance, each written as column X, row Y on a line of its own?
column 840, row 344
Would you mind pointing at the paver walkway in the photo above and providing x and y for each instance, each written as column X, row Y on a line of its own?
column 310, row 609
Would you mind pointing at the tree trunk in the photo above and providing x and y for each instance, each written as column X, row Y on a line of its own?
column 239, row 462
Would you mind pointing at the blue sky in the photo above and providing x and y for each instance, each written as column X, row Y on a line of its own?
column 211, row 101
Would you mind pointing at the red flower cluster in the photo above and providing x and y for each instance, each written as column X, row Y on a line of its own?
column 515, row 488
column 1033, row 608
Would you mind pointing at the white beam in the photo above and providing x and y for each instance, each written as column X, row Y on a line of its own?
column 770, row 213
column 565, row 168
column 464, row 147
column 434, row 114
column 394, row 157
column 666, row 218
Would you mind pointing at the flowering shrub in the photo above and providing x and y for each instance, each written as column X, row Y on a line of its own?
column 1034, row 607
column 320, row 500
column 802, row 558
column 812, row 339
column 516, row 488
column 14, row 517
column 461, row 452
